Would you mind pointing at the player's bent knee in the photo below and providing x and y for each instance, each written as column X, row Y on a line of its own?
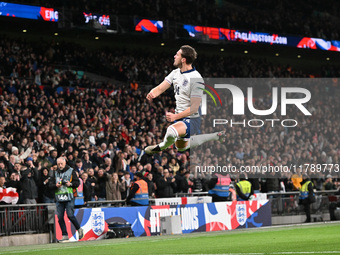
column 172, row 132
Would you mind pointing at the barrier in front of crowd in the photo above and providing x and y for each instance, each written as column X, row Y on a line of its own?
column 145, row 220
column 195, row 199
column 23, row 219
column 287, row 203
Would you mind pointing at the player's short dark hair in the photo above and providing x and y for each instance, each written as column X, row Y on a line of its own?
column 189, row 53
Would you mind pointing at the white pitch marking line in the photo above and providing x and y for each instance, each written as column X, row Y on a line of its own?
column 270, row 253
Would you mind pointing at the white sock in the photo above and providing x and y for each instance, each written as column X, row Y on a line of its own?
column 169, row 138
column 197, row 140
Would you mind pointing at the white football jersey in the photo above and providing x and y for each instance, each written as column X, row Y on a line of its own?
column 186, row 85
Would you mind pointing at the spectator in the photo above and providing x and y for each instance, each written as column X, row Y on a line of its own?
column 114, row 187
column 38, row 143
column 42, row 159
column 107, row 166
column 328, row 184
column 164, row 162
column 127, row 183
column 86, row 187
column 273, row 183
column 87, row 163
column 52, row 158
column 174, row 165
column 46, row 192
column 158, row 175
column 253, row 178
column 19, row 158
column 91, row 182
column 79, row 166
column 14, row 182
column 151, row 185
column 3, row 170
column 29, row 184
column 3, row 186
column 17, row 169
column 197, row 180
column 79, row 193
column 188, row 184
column 181, row 186
column 297, row 179
column 166, row 185
column 11, row 164
column 2, row 182
column 70, row 160
column 134, row 85
column 101, row 185
column 132, row 170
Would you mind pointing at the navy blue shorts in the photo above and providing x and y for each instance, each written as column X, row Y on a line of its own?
column 193, row 126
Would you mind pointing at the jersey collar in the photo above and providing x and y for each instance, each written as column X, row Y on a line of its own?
column 189, row 71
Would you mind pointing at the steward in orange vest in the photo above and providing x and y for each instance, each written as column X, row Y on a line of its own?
column 219, row 187
column 139, row 193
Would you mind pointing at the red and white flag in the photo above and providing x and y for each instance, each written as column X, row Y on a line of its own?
column 9, row 195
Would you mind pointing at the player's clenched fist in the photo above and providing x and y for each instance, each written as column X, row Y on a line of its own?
column 170, row 117
column 150, row 96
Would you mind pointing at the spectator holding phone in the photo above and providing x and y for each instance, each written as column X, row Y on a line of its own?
column 47, row 193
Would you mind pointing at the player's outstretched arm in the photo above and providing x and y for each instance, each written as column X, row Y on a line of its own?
column 155, row 92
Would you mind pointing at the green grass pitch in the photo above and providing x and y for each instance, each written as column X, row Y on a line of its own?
column 323, row 238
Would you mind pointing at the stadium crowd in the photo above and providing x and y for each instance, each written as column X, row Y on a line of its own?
column 39, row 62
column 315, row 19
column 102, row 129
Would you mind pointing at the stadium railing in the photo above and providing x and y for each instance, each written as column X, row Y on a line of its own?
column 287, row 203
column 39, row 218
column 25, row 219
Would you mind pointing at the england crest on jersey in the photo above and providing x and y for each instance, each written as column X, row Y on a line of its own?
column 97, row 222
column 241, row 213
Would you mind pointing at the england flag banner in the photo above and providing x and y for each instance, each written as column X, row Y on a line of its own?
column 9, row 195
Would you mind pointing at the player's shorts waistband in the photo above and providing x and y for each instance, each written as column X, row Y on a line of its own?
column 195, row 115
